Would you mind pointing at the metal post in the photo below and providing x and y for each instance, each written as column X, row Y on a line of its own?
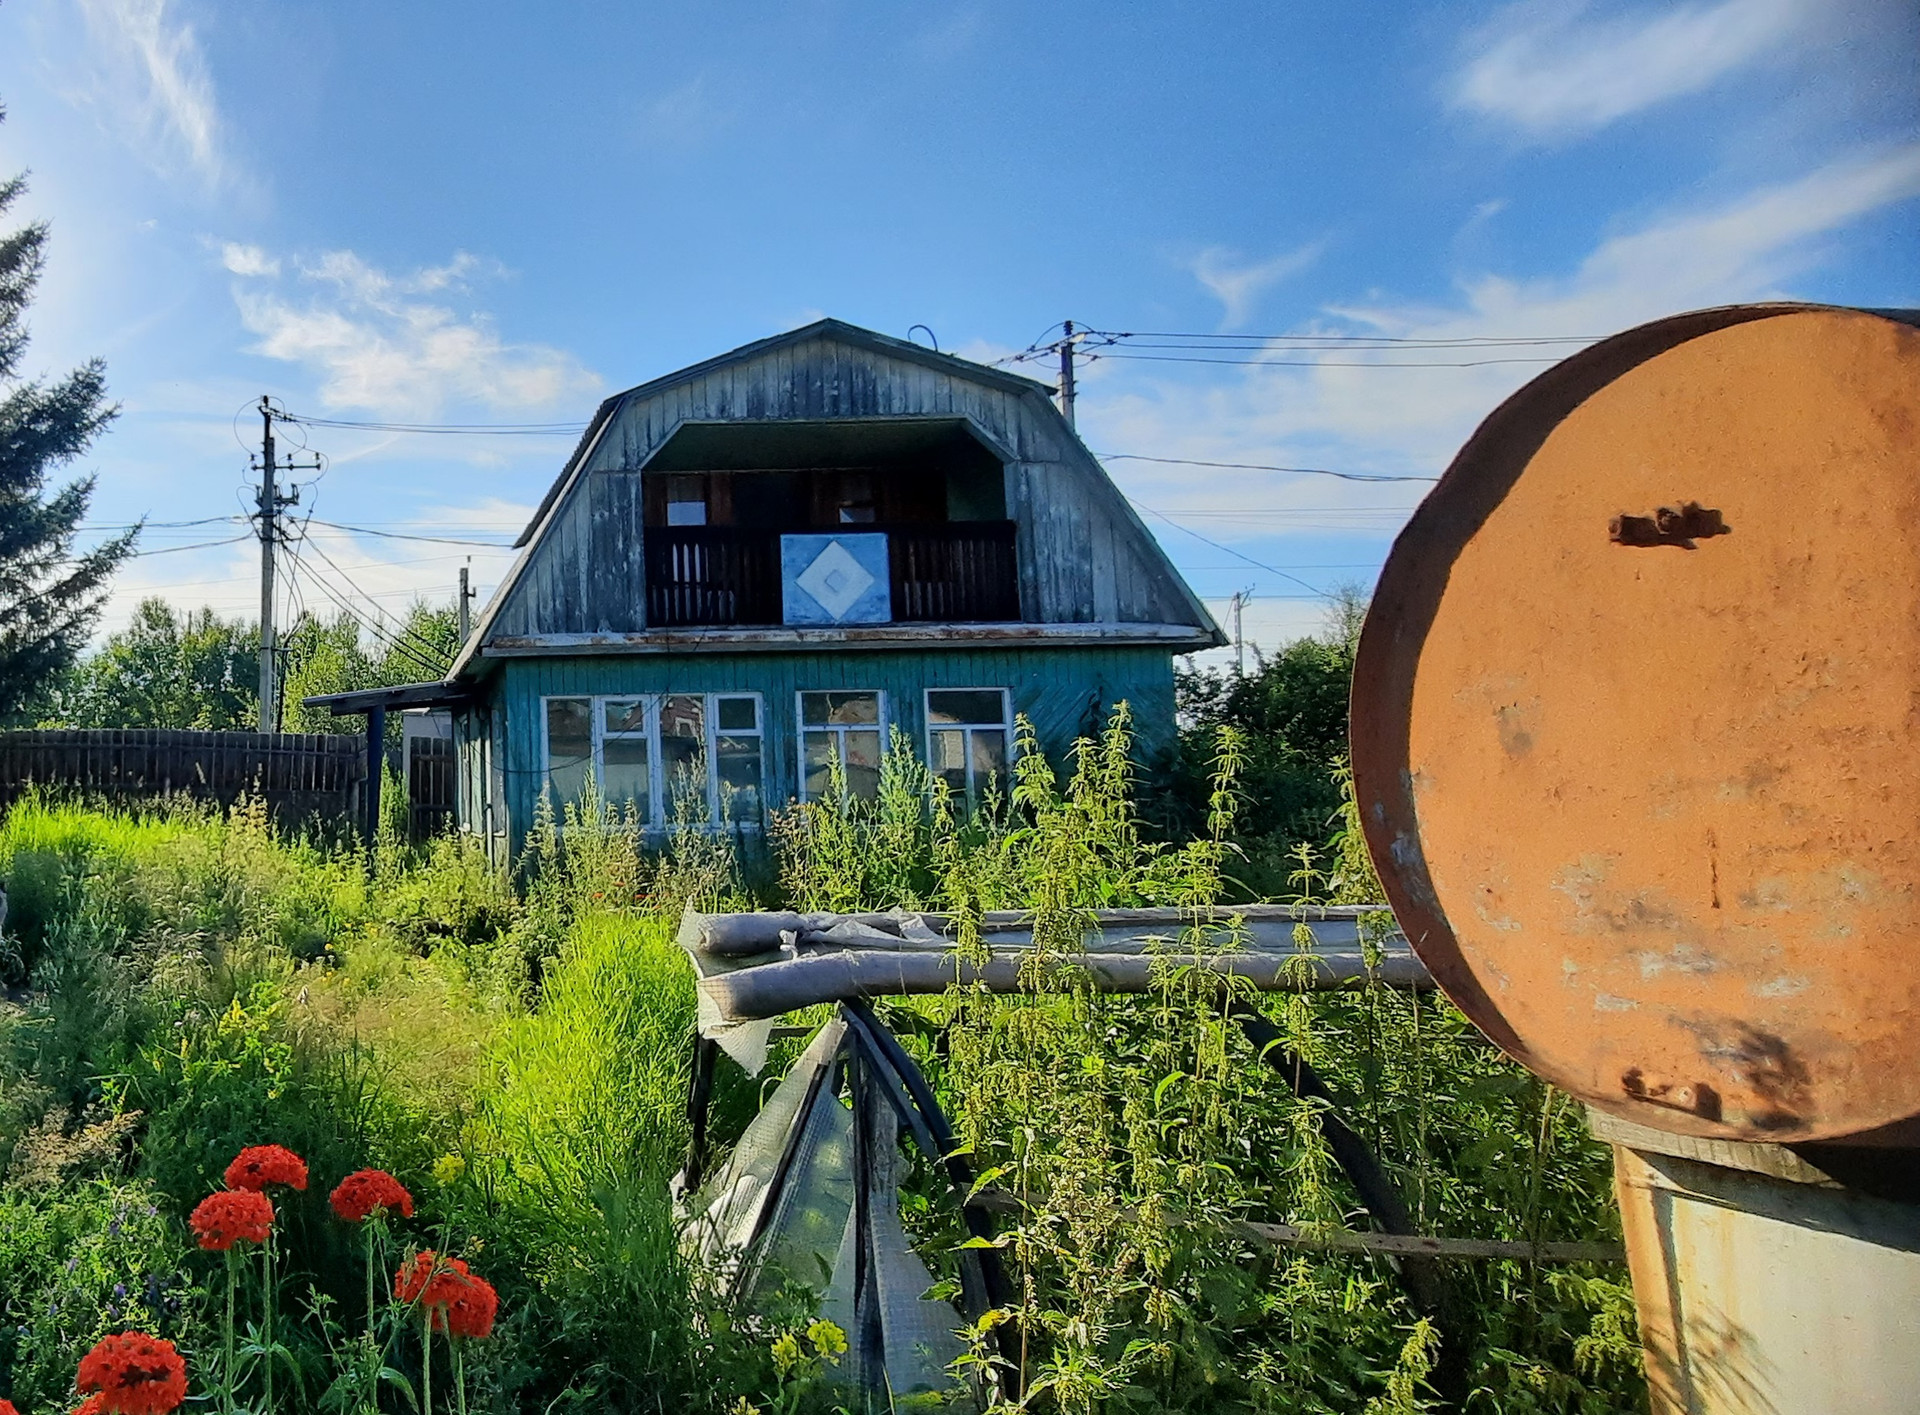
column 376, row 760
column 269, row 504
column 1066, row 374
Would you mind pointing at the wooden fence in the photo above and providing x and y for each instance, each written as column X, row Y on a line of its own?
column 431, row 764
column 298, row 774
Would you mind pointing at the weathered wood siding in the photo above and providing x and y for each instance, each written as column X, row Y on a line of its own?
column 1084, row 555
column 1066, row 693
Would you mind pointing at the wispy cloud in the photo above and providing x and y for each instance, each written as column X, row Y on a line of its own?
column 1238, row 286
column 1411, row 420
column 382, row 342
column 150, row 83
column 1558, row 68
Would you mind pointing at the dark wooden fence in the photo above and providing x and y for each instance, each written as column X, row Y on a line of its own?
column 431, row 764
column 298, row 774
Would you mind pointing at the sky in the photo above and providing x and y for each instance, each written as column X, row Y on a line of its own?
column 487, row 214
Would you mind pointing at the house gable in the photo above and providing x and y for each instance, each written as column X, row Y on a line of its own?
column 1081, row 554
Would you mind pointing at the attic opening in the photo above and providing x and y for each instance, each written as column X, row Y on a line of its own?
column 792, row 476
column 910, row 513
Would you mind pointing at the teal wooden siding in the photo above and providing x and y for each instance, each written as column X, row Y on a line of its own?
column 1066, row 692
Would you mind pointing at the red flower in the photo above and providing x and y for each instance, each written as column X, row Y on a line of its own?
column 472, row 1311
column 462, row 1303
column 257, row 1166
column 231, row 1216
column 135, row 1374
column 92, row 1405
column 363, row 1191
column 6, row 1408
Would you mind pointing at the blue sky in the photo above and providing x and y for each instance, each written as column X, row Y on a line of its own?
column 492, row 213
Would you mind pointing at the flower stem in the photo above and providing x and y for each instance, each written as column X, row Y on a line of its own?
column 426, row 1360
column 459, row 1369
column 233, row 1287
column 267, row 1322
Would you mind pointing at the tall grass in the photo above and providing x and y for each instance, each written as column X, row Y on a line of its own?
column 517, row 1050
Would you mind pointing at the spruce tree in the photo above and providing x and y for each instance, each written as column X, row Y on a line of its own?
column 49, row 597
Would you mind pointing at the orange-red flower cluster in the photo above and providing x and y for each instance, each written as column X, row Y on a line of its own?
column 257, row 1166
column 365, row 1190
column 134, row 1374
column 92, row 1405
column 462, row 1302
column 6, row 1408
column 231, row 1216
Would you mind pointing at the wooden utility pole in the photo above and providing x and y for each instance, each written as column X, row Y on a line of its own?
column 270, row 504
column 1066, row 373
column 1239, row 643
column 466, row 598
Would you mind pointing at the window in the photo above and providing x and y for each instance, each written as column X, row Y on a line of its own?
column 848, row 728
column 967, row 735
column 676, row 757
column 686, row 501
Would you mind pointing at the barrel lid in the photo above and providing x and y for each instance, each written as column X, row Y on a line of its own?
column 1635, row 724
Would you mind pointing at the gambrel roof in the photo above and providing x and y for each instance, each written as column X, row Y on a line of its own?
column 1089, row 569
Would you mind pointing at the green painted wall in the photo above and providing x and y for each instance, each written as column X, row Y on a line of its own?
column 1065, row 691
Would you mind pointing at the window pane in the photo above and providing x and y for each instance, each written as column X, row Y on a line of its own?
column 840, row 709
column 626, row 715
column 569, row 748
column 967, row 705
column 683, row 757
column 738, row 714
column 817, row 751
column 739, row 768
column 863, row 763
column 949, row 759
column 989, row 758
column 623, row 772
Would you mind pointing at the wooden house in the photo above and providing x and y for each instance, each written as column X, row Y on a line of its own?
column 768, row 563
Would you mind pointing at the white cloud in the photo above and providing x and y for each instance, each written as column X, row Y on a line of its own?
column 150, row 79
column 376, row 342
column 248, row 260
column 1557, row 68
column 1239, row 287
column 1412, row 420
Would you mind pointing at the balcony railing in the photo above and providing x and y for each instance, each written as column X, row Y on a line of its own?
column 724, row 576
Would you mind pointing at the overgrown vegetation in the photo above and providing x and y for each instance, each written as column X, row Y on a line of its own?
column 184, row 984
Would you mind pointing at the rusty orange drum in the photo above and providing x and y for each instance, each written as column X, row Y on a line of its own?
column 1636, row 724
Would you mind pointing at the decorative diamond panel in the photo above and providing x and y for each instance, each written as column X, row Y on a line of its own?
column 835, row 579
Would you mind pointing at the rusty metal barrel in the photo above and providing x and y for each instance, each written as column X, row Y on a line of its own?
column 1636, row 740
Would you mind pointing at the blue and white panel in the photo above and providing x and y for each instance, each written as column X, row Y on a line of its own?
column 835, row 579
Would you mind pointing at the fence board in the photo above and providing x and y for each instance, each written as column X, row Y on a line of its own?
column 298, row 774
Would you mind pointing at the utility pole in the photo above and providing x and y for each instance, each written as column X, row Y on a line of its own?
column 1066, row 373
column 466, row 598
column 1239, row 643
column 270, row 503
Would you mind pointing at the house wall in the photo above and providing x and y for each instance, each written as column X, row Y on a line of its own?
column 1065, row 692
column 1084, row 555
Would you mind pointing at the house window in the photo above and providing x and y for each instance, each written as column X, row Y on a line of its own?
column 967, row 736
column 675, row 756
column 848, row 728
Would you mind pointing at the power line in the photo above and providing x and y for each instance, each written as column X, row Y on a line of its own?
column 398, row 535
column 203, row 545
column 1257, row 467
column 1323, row 363
column 403, row 630
column 573, row 429
column 1229, row 550
column 393, row 642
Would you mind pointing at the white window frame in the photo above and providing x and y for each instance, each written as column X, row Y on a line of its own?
column 597, row 704
column 1005, row 725
column 801, row 729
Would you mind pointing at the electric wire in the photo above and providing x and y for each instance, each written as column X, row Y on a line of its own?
column 1258, row 467
column 400, row 535
column 402, row 634
column 1314, row 590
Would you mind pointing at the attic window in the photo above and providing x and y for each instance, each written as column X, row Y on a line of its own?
column 686, row 501
column 856, row 506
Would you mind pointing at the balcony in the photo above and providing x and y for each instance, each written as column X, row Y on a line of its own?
column 729, row 576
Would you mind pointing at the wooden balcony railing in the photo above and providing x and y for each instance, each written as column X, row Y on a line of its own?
column 724, row 576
